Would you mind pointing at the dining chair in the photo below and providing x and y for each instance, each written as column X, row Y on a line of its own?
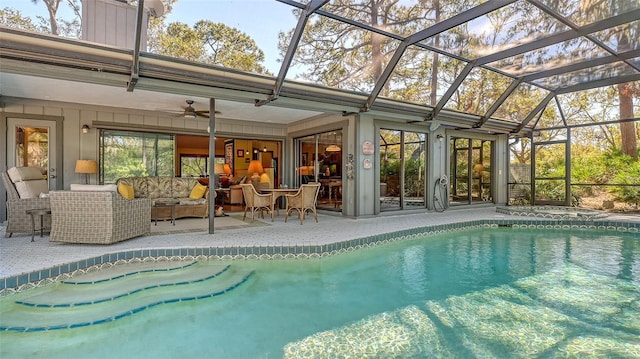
column 302, row 201
column 255, row 201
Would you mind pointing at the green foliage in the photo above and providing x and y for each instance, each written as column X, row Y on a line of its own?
column 14, row 19
column 136, row 155
column 210, row 43
column 629, row 176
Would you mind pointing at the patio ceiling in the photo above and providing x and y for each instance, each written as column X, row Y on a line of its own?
column 509, row 49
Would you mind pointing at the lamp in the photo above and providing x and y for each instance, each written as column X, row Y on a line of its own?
column 218, row 169
column 227, row 169
column 190, row 112
column 86, row 167
column 85, row 128
column 333, row 147
column 440, row 137
column 255, row 167
column 478, row 168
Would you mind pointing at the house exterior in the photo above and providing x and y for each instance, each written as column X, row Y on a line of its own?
column 83, row 90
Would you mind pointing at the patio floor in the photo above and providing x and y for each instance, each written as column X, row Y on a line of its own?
column 19, row 255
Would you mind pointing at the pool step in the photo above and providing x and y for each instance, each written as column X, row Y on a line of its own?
column 51, row 311
column 73, row 295
column 127, row 269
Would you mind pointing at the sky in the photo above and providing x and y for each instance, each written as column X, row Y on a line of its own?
column 262, row 20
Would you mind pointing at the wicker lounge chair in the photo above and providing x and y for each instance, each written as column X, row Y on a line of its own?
column 18, row 220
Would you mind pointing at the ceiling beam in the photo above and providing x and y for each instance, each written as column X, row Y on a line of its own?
column 135, row 61
column 582, row 65
column 291, row 50
column 535, row 111
column 560, row 37
column 433, row 30
column 600, row 83
column 514, row 84
column 453, row 88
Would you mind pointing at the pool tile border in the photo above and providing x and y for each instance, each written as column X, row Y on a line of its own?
column 25, row 281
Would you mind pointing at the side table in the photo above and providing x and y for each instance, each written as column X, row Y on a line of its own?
column 163, row 204
column 41, row 212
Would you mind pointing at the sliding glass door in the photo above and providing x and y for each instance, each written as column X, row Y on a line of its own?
column 318, row 158
column 471, row 177
column 402, row 169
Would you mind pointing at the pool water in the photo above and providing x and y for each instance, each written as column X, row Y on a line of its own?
column 497, row 292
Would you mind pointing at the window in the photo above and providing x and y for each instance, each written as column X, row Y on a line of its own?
column 135, row 154
column 195, row 165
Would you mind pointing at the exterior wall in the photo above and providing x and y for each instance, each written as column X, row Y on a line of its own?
column 360, row 194
column 368, row 180
column 112, row 23
column 85, row 146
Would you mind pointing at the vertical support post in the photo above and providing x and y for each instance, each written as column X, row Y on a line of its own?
column 212, row 160
column 567, row 174
column 532, row 173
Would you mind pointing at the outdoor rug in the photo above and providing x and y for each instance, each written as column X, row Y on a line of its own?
column 186, row 225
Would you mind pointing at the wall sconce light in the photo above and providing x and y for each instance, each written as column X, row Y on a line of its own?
column 440, row 137
column 85, row 128
column 264, row 149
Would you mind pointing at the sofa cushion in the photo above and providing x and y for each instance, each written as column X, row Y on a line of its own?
column 198, row 191
column 159, row 187
column 126, row 190
column 32, row 188
column 140, row 186
column 17, row 174
column 94, row 187
column 192, row 202
column 182, row 187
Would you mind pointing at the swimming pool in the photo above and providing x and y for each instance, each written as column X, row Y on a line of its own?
column 493, row 292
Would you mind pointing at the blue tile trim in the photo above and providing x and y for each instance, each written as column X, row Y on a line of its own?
column 12, row 284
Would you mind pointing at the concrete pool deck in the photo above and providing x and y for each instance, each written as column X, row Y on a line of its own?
column 18, row 255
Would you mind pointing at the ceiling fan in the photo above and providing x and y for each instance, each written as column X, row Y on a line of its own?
column 191, row 113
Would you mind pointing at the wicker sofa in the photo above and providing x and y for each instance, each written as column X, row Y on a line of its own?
column 23, row 186
column 162, row 188
column 97, row 217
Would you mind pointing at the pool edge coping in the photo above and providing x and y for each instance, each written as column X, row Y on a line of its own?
column 24, row 281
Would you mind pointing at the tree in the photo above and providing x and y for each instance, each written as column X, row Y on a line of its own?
column 626, row 38
column 14, row 18
column 210, row 43
column 628, row 135
column 69, row 28
column 340, row 55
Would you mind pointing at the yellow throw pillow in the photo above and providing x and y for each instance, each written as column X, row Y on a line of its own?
column 198, row 191
column 125, row 190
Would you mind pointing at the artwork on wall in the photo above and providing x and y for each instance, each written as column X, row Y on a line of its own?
column 240, row 153
column 305, row 159
column 228, row 154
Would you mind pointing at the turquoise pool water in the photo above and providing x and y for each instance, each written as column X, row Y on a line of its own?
column 481, row 293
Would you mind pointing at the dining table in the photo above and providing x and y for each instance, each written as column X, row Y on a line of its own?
column 277, row 193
